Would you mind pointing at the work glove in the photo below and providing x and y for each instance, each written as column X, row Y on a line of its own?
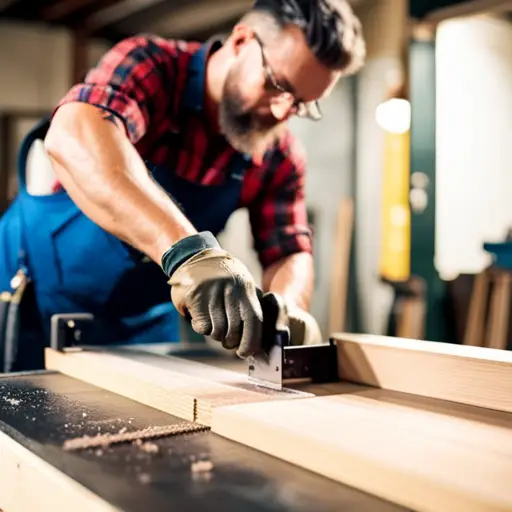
column 218, row 294
column 304, row 329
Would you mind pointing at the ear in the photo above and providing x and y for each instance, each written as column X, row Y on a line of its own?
column 240, row 36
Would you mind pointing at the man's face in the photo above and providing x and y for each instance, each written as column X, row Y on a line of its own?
column 266, row 85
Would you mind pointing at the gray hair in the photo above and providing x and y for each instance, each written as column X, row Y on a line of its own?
column 332, row 30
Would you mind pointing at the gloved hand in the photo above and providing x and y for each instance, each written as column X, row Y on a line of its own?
column 218, row 293
column 304, row 329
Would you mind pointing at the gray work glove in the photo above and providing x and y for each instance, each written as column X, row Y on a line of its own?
column 304, row 329
column 217, row 292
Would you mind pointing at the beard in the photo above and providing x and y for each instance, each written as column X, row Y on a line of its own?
column 245, row 130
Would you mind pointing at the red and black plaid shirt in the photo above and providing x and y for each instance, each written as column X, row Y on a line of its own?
column 142, row 80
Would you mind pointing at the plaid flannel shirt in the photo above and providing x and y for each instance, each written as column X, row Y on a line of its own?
column 145, row 80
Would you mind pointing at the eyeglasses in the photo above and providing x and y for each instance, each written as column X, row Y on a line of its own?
column 310, row 110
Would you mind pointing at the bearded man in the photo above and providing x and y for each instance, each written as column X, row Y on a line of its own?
column 152, row 153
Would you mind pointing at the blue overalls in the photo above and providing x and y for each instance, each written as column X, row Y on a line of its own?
column 76, row 266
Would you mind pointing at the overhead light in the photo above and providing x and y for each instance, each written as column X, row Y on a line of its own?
column 394, row 115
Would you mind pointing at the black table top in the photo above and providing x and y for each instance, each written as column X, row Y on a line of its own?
column 41, row 410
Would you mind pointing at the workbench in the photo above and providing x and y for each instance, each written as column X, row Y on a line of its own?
column 408, row 425
column 40, row 410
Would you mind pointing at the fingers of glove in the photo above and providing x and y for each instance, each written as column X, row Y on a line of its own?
column 313, row 334
column 199, row 311
column 252, row 317
column 235, row 324
column 217, row 310
column 297, row 331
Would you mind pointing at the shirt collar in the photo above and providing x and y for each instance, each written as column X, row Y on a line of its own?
column 194, row 91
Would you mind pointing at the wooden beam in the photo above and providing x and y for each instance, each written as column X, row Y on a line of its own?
column 469, row 375
column 196, row 17
column 341, row 265
column 423, row 459
column 118, row 11
column 79, row 55
column 185, row 389
column 5, row 4
column 63, row 8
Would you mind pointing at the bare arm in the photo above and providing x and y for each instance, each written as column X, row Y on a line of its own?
column 107, row 179
column 292, row 278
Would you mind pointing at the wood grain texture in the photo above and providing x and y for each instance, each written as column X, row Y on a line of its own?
column 474, row 333
column 341, row 265
column 185, row 389
column 465, row 374
column 420, row 457
column 25, row 480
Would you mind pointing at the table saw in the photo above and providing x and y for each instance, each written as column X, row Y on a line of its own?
column 408, row 425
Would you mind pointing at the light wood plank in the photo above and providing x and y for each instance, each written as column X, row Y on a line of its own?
column 421, row 459
column 469, row 375
column 185, row 389
column 341, row 265
column 25, row 481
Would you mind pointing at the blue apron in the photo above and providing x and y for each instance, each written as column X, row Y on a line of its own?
column 76, row 266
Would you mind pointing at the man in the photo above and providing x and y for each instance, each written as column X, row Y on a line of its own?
column 209, row 124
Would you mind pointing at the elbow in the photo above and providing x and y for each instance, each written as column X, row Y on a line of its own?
column 54, row 144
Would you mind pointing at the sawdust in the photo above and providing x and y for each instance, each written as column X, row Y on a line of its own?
column 201, row 466
column 144, row 478
column 105, row 440
column 12, row 401
column 150, row 448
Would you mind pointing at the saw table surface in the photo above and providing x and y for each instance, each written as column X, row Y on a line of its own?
column 41, row 410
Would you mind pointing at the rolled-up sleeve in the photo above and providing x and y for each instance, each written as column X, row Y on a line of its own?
column 279, row 216
column 134, row 80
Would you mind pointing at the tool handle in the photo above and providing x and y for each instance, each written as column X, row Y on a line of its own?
column 275, row 321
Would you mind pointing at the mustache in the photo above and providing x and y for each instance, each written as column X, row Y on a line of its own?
column 247, row 119
column 245, row 129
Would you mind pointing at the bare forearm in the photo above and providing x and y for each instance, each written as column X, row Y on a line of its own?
column 107, row 179
column 293, row 278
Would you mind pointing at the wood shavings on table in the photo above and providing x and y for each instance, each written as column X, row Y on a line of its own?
column 105, row 440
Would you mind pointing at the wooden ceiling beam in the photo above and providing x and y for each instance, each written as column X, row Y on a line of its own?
column 64, row 8
column 207, row 32
column 5, row 4
column 113, row 14
column 198, row 17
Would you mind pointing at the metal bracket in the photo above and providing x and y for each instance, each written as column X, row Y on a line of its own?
column 67, row 330
column 319, row 363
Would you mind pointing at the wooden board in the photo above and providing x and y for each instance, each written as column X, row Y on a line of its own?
column 459, row 373
column 412, row 452
column 25, row 480
column 341, row 265
column 186, row 389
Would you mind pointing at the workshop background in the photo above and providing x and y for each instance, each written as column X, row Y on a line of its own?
column 409, row 172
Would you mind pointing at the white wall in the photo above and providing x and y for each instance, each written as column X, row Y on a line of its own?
column 36, row 72
column 474, row 140
column 35, row 65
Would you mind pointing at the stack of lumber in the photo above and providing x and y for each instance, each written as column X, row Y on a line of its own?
column 424, row 425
